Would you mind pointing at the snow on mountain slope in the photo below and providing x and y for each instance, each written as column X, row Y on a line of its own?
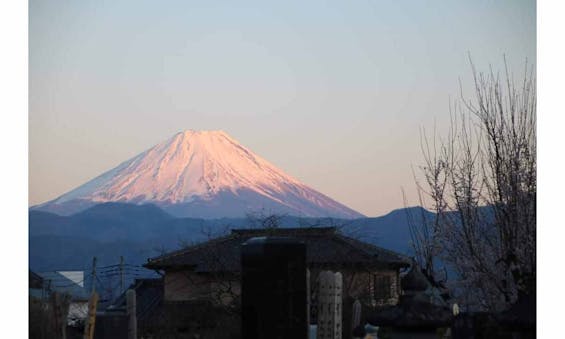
column 201, row 174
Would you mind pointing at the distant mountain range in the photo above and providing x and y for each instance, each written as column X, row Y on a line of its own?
column 201, row 174
column 138, row 232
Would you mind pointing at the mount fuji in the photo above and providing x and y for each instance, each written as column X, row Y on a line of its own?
column 201, row 174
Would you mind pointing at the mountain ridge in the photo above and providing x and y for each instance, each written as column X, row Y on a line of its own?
column 136, row 231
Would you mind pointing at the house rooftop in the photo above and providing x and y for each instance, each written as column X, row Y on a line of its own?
column 325, row 246
column 67, row 282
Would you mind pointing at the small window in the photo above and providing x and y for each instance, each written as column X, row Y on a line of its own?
column 382, row 287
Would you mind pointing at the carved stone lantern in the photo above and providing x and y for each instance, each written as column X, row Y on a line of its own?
column 421, row 311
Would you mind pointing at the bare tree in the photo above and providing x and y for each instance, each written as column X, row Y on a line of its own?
column 480, row 180
column 264, row 220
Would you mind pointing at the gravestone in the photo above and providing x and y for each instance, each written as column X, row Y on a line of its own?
column 330, row 305
column 273, row 288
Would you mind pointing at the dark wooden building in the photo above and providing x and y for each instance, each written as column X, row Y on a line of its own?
column 211, row 270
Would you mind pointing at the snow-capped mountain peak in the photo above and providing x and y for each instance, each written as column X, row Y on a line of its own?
column 205, row 174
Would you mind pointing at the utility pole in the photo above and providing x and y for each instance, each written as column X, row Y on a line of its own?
column 121, row 274
column 91, row 320
column 92, row 303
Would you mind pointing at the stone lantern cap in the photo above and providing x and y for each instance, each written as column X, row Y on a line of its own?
column 415, row 280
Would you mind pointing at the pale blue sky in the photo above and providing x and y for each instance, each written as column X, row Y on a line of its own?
column 332, row 92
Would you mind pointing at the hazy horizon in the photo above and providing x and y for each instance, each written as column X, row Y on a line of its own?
column 333, row 93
